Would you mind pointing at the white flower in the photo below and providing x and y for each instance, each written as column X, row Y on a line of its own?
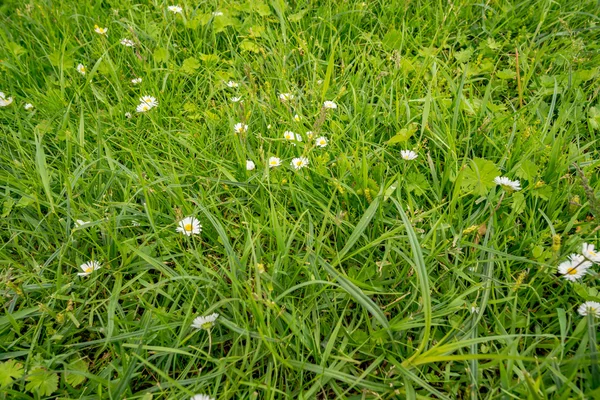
column 321, row 141
column 289, row 135
column 240, row 128
column 235, row 99
column 205, row 322
column 5, row 101
column 100, row 31
column 151, row 101
column 201, row 397
column 296, row 118
column 79, row 223
column 274, row 162
column 250, row 165
column 189, row 226
column 232, row 84
column 408, row 154
column 589, row 252
column 310, row 134
column 269, row 126
column 142, row 107
column 589, row 307
column 575, row 268
column 28, row 106
column 127, row 115
column 330, row 105
column 217, row 13
column 507, row 184
column 135, row 81
column 127, row 42
column 81, row 69
column 89, row 267
column 286, row 96
column 175, row 9
column 474, row 310
column 299, row 163
column 320, row 81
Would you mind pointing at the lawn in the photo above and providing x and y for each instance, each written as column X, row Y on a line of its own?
column 265, row 199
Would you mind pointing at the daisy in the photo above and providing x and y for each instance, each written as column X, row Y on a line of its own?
column 79, row 223
column 296, row 118
column 310, row 134
column 189, row 226
column 100, row 31
column 142, row 107
column 289, row 135
column 286, row 96
column 299, row 163
column 5, row 101
column 205, row 322
column 274, row 162
column 135, row 81
column 232, row 84
column 330, row 105
column 250, row 165
column 408, row 154
column 474, row 310
column 321, row 141
column 240, row 128
column 575, row 268
column 151, row 101
column 127, row 42
column 28, row 106
column 507, row 184
column 589, row 307
column 217, row 13
column 89, row 267
column 235, row 99
column 590, row 253
column 81, row 69
column 175, row 9
column 128, row 115
column 201, row 397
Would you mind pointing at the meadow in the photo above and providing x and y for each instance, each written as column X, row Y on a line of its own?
column 262, row 199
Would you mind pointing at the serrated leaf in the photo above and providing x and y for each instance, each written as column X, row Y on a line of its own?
column 16, row 49
column 392, row 40
column 9, row 371
column 7, row 206
column 297, row 16
column 222, row 22
column 518, row 202
column 527, row 170
column 506, row 74
column 74, row 373
column 248, row 45
column 261, row 8
column 42, row 381
column 463, row 56
column 190, row 65
column 403, row 135
column 417, row 183
column 478, row 176
column 161, row 55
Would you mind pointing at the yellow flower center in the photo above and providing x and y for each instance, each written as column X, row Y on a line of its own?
column 298, row 163
column 88, row 270
column 188, row 227
column 572, row 271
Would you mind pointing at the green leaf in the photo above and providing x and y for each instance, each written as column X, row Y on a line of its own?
column 297, row 16
column 7, row 206
column 518, row 202
column 478, row 176
column 403, row 135
column 42, row 381
column 16, row 49
column 392, row 40
column 9, row 371
column 527, row 170
column 506, row 74
column 222, row 22
column 161, row 55
column 464, row 56
column 417, row 183
column 74, row 375
column 190, row 65
column 260, row 7
column 248, row 45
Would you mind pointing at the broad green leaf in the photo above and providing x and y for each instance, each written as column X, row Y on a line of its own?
column 190, row 65
column 478, row 176
column 161, row 55
column 16, row 49
column 248, row 45
column 527, row 170
column 506, row 74
column 74, row 373
column 518, row 202
column 403, row 135
column 221, row 22
column 9, row 371
column 392, row 40
column 297, row 16
column 417, row 183
column 42, row 381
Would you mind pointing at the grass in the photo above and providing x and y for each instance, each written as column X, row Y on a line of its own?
column 361, row 276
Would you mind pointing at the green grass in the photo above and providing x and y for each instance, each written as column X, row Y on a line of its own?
column 353, row 278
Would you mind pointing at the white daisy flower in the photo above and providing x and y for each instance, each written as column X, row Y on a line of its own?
column 297, row 118
column 269, row 126
column 79, row 223
column 589, row 307
column 240, row 128
column 81, row 69
column 286, row 96
column 189, row 226
column 89, row 267
column 232, row 84
column 28, row 106
column 143, row 107
column 310, row 135
column 289, row 135
column 474, row 310
column 206, row 322
column 274, row 162
column 507, row 184
column 136, row 81
column 589, row 252
column 175, row 9
column 100, row 31
column 299, row 163
column 201, row 397
column 217, row 13
column 321, row 141
column 128, row 115
column 575, row 268
column 330, row 105
column 250, row 165
column 127, row 42
column 151, row 101
column 5, row 101
column 408, row 154
column 235, row 99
